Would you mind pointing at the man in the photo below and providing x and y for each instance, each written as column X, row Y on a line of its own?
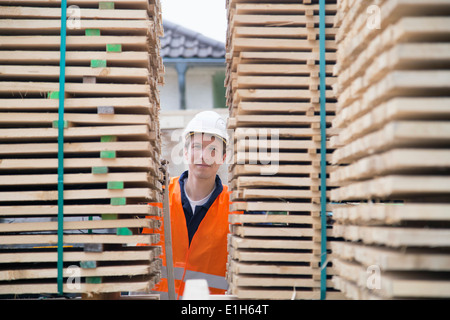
column 199, row 208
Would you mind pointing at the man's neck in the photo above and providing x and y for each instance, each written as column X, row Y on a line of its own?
column 198, row 189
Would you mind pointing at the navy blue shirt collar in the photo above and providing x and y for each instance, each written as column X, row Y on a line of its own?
column 194, row 220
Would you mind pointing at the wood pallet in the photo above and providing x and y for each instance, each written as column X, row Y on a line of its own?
column 111, row 146
column 274, row 102
column 392, row 150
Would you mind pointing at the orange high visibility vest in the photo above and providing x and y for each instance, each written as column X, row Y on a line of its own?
column 206, row 256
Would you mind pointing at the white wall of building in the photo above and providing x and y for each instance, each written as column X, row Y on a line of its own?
column 168, row 93
column 199, row 88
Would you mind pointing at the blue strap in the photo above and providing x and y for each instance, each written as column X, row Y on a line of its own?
column 62, row 78
column 323, row 163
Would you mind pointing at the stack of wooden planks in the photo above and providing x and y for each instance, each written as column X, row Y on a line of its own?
column 273, row 97
column 392, row 152
column 111, row 145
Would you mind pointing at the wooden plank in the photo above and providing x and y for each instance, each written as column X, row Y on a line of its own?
column 133, row 4
column 394, row 161
column 76, row 163
column 83, row 288
column 49, row 73
column 394, row 187
column 268, row 218
column 273, row 244
column 248, row 107
column 140, row 132
column 284, row 8
column 133, row 43
column 264, row 194
column 394, row 237
column 261, row 82
column 139, row 147
column 254, row 268
column 275, row 20
column 261, row 294
column 280, row 131
column 118, row 59
column 140, row 193
column 69, row 256
column 276, row 32
column 237, row 170
column 274, row 231
column 97, row 89
column 75, row 225
column 18, row 12
column 281, row 95
column 232, row 3
column 278, row 69
column 114, row 271
column 133, row 178
column 73, row 239
column 73, row 210
column 263, row 143
column 266, row 120
column 276, row 206
column 12, row 118
column 388, row 259
column 129, row 104
column 273, row 256
column 52, row 26
column 263, row 282
column 277, row 181
column 281, row 56
column 275, row 158
column 263, row 44
column 378, row 213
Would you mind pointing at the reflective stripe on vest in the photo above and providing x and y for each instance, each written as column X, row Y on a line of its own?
column 177, row 272
column 214, row 281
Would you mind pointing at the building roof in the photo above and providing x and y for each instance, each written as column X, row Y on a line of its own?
column 180, row 42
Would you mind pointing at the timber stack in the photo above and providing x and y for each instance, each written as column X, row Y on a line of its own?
column 273, row 96
column 392, row 152
column 111, row 146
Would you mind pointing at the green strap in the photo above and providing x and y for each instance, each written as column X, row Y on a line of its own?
column 62, row 78
column 323, row 164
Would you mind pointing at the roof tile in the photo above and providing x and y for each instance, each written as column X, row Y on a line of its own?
column 181, row 42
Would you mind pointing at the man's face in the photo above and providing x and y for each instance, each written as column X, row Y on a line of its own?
column 204, row 154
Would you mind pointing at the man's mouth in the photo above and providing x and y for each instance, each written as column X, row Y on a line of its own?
column 203, row 165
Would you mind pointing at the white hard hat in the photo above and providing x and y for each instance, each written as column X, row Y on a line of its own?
column 207, row 122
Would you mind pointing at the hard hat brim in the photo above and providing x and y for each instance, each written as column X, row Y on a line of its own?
column 207, row 132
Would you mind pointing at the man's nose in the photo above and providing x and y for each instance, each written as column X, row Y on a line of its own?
column 206, row 157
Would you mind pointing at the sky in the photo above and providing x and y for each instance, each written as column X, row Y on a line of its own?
column 205, row 16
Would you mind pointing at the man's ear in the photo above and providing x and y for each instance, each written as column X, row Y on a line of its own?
column 187, row 145
column 186, row 153
column 224, row 157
